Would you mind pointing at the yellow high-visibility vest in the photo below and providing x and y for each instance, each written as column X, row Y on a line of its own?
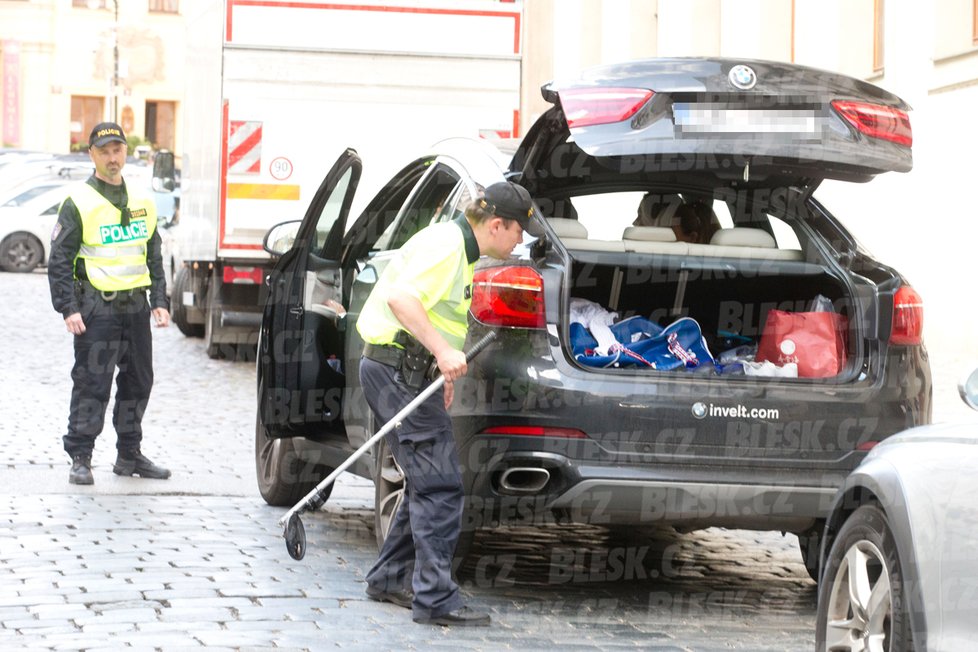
column 115, row 255
column 432, row 266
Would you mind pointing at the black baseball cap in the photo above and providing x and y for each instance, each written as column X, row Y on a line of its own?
column 506, row 199
column 105, row 133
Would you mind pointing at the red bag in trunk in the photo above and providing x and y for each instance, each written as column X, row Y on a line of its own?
column 815, row 341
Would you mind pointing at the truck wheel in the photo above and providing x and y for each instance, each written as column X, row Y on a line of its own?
column 178, row 311
column 284, row 478
column 215, row 350
column 21, row 252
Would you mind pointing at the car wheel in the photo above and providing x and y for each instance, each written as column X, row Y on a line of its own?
column 862, row 603
column 178, row 311
column 388, row 489
column 389, row 494
column 809, row 543
column 283, row 477
column 21, row 252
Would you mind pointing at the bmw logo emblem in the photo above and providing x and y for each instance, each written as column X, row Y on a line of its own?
column 743, row 77
column 699, row 410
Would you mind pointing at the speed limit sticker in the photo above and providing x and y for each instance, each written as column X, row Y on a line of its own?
column 280, row 168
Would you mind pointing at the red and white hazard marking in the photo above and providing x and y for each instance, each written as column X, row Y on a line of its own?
column 244, row 147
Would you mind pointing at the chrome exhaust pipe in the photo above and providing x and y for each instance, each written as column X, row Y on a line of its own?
column 524, row 480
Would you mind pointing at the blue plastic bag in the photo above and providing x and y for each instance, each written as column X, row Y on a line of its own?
column 626, row 331
column 645, row 344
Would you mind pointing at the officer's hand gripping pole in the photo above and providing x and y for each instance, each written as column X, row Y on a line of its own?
column 295, row 533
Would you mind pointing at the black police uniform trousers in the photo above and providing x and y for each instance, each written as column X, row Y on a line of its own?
column 117, row 335
column 420, row 545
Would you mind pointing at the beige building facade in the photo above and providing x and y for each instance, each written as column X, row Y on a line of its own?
column 68, row 64
column 58, row 56
column 914, row 49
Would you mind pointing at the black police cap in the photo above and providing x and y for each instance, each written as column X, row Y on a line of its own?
column 509, row 200
column 105, row 133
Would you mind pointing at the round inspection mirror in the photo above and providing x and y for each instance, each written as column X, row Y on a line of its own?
column 295, row 538
column 968, row 388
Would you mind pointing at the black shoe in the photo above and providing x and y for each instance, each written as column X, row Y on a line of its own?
column 135, row 463
column 81, row 470
column 463, row 617
column 402, row 598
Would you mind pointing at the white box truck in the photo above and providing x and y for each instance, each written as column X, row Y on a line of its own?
column 276, row 89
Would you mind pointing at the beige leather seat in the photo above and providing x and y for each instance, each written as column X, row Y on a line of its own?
column 573, row 235
column 653, row 240
column 743, row 242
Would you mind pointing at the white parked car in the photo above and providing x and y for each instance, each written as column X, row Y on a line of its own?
column 25, row 229
column 27, row 219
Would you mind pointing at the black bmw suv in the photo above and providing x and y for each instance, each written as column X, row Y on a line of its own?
column 695, row 340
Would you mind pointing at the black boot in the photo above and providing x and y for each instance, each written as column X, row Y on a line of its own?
column 135, row 463
column 81, row 469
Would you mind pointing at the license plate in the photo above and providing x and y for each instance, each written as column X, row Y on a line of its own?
column 706, row 119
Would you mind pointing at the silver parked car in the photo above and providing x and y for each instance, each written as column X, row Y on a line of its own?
column 900, row 550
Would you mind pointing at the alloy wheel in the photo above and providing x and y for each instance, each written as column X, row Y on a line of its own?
column 860, row 603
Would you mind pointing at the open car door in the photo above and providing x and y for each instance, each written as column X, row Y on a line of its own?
column 301, row 378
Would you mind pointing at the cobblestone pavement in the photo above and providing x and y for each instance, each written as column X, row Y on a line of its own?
column 199, row 561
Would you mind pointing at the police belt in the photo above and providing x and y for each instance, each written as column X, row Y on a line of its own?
column 387, row 354
column 415, row 362
column 125, row 295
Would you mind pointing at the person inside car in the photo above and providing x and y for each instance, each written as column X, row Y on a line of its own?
column 691, row 225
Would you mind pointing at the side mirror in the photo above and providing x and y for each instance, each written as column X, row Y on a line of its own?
column 164, row 172
column 968, row 388
column 280, row 237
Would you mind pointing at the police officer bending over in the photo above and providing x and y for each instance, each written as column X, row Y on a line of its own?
column 105, row 256
column 419, row 309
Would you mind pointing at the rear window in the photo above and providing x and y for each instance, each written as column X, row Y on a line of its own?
column 692, row 219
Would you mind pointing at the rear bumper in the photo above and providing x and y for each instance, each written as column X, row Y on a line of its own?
column 751, row 506
column 518, row 486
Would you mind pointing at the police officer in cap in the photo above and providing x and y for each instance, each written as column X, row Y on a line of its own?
column 419, row 308
column 105, row 259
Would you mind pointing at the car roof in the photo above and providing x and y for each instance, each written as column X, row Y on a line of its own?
column 23, row 193
column 41, row 202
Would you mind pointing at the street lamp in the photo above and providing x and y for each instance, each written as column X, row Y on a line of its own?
column 100, row 4
column 115, row 65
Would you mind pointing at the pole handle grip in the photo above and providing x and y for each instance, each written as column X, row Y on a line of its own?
column 477, row 348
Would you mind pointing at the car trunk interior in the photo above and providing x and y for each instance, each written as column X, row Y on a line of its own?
column 726, row 297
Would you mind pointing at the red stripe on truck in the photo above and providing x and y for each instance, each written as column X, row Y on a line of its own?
column 515, row 15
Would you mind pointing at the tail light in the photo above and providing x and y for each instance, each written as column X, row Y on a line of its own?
column 508, row 296
column 908, row 317
column 536, row 431
column 595, row 106
column 883, row 122
column 244, row 275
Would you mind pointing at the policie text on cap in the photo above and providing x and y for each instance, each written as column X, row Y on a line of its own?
column 105, row 133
